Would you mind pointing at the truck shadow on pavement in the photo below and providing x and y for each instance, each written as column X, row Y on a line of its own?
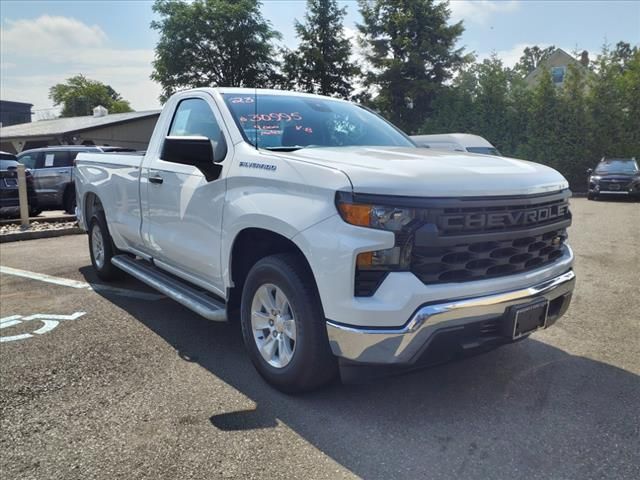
column 526, row 410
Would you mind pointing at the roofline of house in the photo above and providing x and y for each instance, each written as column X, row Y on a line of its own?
column 8, row 138
column 17, row 103
column 580, row 65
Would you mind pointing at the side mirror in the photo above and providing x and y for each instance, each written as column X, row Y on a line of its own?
column 589, row 171
column 195, row 150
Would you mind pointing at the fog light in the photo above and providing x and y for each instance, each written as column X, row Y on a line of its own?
column 364, row 259
column 391, row 256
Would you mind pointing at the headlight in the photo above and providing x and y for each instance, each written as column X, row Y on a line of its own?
column 381, row 217
column 372, row 267
column 595, row 178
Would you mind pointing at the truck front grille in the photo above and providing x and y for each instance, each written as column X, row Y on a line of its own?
column 614, row 186
column 454, row 240
column 486, row 259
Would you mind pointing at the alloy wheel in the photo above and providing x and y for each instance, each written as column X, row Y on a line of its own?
column 273, row 325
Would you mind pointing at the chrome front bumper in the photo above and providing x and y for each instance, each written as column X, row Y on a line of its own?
column 404, row 345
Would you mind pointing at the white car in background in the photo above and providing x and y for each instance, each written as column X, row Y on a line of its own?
column 459, row 142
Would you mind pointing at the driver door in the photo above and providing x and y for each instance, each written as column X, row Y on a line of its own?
column 183, row 211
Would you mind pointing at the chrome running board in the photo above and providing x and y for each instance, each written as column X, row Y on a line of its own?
column 195, row 300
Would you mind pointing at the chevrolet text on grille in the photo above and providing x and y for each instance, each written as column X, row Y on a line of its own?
column 473, row 221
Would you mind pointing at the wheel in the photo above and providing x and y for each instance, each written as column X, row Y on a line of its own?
column 34, row 212
column 102, row 250
column 69, row 202
column 283, row 325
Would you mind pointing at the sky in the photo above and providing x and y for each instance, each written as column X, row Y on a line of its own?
column 42, row 42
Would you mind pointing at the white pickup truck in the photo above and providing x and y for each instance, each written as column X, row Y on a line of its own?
column 339, row 241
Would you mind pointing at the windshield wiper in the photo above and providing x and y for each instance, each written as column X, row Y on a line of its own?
column 283, row 148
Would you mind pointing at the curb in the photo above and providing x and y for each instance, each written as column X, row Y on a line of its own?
column 19, row 236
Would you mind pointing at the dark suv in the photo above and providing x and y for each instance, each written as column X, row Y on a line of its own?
column 614, row 177
column 9, row 185
column 52, row 169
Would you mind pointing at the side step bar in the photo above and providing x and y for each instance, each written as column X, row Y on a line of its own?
column 195, row 300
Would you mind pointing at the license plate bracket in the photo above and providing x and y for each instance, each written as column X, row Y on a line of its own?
column 527, row 318
column 11, row 182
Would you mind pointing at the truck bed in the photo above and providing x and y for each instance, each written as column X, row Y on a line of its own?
column 114, row 179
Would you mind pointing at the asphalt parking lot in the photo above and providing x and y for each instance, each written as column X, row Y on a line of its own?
column 132, row 385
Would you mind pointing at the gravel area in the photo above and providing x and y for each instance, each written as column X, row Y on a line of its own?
column 37, row 227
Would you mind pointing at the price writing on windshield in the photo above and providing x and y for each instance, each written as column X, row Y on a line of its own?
column 272, row 117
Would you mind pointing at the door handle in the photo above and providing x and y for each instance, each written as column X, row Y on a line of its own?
column 156, row 179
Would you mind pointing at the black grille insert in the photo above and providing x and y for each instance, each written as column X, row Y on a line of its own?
column 614, row 186
column 480, row 260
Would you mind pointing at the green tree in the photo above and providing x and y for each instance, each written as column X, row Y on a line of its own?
column 574, row 153
column 410, row 49
column 208, row 43
column 625, row 60
column 543, row 144
column 492, row 101
column 606, row 108
column 520, row 101
column 623, row 54
column 79, row 95
column 485, row 99
column 321, row 62
column 453, row 110
column 531, row 58
column 629, row 85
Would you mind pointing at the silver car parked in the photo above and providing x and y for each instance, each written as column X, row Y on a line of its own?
column 52, row 169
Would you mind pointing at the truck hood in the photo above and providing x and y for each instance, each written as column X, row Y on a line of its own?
column 430, row 173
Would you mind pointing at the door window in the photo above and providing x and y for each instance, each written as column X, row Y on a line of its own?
column 32, row 160
column 194, row 117
column 62, row 159
column 57, row 159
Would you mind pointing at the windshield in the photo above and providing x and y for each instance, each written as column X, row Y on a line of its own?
column 291, row 122
column 7, row 164
column 617, row 166
column 484, row 150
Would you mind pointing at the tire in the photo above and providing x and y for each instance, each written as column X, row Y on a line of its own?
column 102, row 249
column 34, row 212
column 305, row 363
column 69, row 201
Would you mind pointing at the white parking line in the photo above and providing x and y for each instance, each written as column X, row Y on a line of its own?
column 44, row 277
column 65, row 282
column 40, row 316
